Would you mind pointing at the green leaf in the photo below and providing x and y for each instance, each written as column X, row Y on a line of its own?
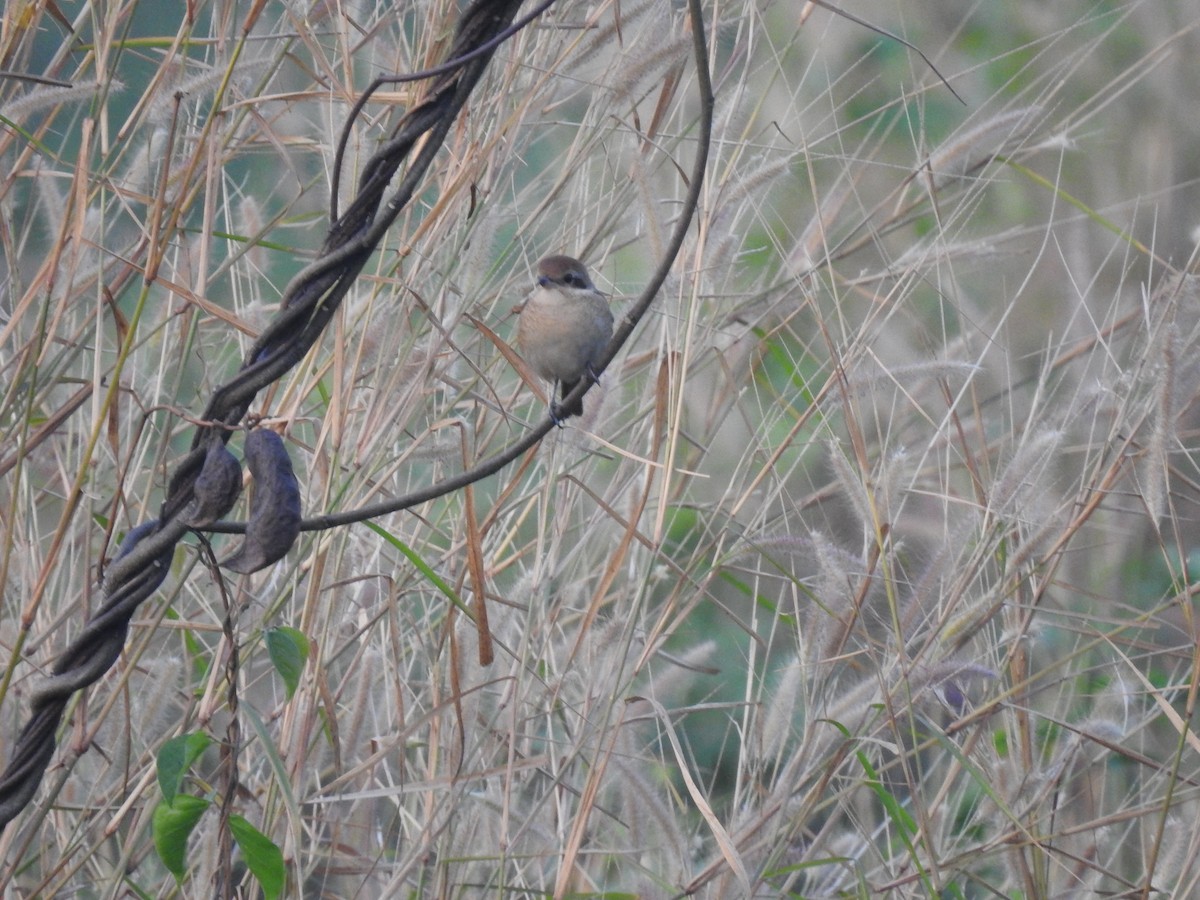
column 288, row 649
column 274, row 760
column 264, row 859
column 900, row 815
column 172, row 825
column 423, row 567
column 175, row 758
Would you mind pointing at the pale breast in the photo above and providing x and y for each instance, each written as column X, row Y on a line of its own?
column 562, row 336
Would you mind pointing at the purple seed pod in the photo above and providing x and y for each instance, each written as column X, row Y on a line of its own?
column 216, row 488
column 274, row 504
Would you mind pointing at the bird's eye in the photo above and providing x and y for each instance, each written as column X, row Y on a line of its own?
column 573, row 280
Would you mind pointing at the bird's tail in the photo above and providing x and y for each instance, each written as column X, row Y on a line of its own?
column 575, row 409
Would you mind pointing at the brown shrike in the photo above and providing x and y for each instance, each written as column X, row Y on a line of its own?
column 564, row 327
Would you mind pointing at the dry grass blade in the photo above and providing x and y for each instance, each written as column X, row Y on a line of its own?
column 725, row 844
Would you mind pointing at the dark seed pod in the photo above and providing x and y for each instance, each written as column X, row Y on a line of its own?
column 216, row 488
column 274, row 504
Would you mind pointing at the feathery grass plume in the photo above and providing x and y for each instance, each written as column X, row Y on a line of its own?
column 608, row 651
column 778, row 716
column 159, row 697
column 140, row 170
column 367, row 695
column 763, row 173
column 1103, row 729
column 966, row 152
column 734, row 116
column 938, row 567
column 829, row 719
column 371, row 343
column 1178, row 872
column 249, row 222
column 204, row 82
column 53, row 96
column 654, row 829
column 893, row 476
column 1161, row 383
column 863, row 379
column 774, row 545
column 833, row 867
column 672, row 680
column 725, row 240
column 1156, row 468
column 853, row 491
column 1054, row 773
column 939, row 251
column 1040, row 526
column 649, row 58
column 838, row 572
column 180, row 86
column 813, row 242
column 740, row 198
column 651, row 202
column 1016, row 485
column 975, row 607
column 837, row 568
column 603, row 36
column 443, row 445
column 395, row 389
column 479, row 260
column 853, row 706
column 824, row 568
column 1117, row 700
column 52, row 203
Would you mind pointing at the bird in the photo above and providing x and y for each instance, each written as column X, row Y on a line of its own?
column 564, row 327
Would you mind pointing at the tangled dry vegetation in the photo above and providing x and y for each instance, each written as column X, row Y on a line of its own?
column 867, row 570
